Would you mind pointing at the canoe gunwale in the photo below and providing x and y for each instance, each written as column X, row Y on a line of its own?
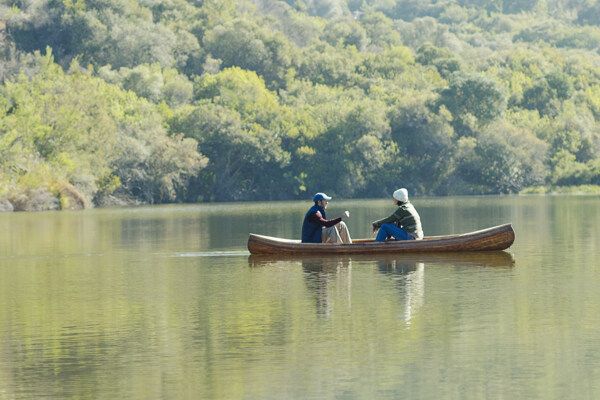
column 495, row 238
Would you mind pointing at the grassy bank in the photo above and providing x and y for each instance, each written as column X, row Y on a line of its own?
column 581, row 189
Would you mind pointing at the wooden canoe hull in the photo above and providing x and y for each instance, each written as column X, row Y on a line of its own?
column 496, row 238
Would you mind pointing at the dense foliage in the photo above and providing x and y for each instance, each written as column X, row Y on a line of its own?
column 124, row 101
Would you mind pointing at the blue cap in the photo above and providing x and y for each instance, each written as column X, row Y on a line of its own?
column 320, row 196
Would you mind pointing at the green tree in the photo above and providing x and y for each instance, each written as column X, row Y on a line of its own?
column 152, row 83
column 473, row 94
column 380, row 30
column 326, row 8
column 392, row 63
column 243, row 165
column 351, row 149
column 121, row 34
column 245, row 93
column 502, row 159
column 345, row 33
column 83, row 140
column 442, row 59
column 569, row 172
column 323, row 64
column 425, row 142
column 547, row 93
column 589, row 15
column 240, row 126
column 248, row 45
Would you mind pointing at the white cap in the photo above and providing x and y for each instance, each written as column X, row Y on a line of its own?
column 401, row 195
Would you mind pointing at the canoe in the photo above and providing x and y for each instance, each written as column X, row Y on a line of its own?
column 495, row 238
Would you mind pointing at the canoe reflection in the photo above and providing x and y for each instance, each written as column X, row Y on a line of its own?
column 466, row 259
column 322, row 273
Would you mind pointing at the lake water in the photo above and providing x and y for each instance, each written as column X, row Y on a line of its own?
column 165, row 302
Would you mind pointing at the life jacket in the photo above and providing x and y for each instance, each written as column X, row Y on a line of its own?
column 311, row 231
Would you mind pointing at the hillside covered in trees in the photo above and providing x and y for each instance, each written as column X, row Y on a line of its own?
column 107, row 102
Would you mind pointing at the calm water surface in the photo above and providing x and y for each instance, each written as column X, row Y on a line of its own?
column 166, row 303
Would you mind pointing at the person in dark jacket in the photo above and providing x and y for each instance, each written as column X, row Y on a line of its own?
column 316, row 228
column 403, row 224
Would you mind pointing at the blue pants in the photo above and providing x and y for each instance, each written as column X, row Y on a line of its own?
column 391, row 230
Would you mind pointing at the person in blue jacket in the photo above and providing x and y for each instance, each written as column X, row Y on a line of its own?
column 316, row 228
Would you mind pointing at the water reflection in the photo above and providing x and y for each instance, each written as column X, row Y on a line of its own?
column 409, row 276
column 387, row 261
column 473, row 259
column 407, row 272
column 160, row 302
column 319, row 271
